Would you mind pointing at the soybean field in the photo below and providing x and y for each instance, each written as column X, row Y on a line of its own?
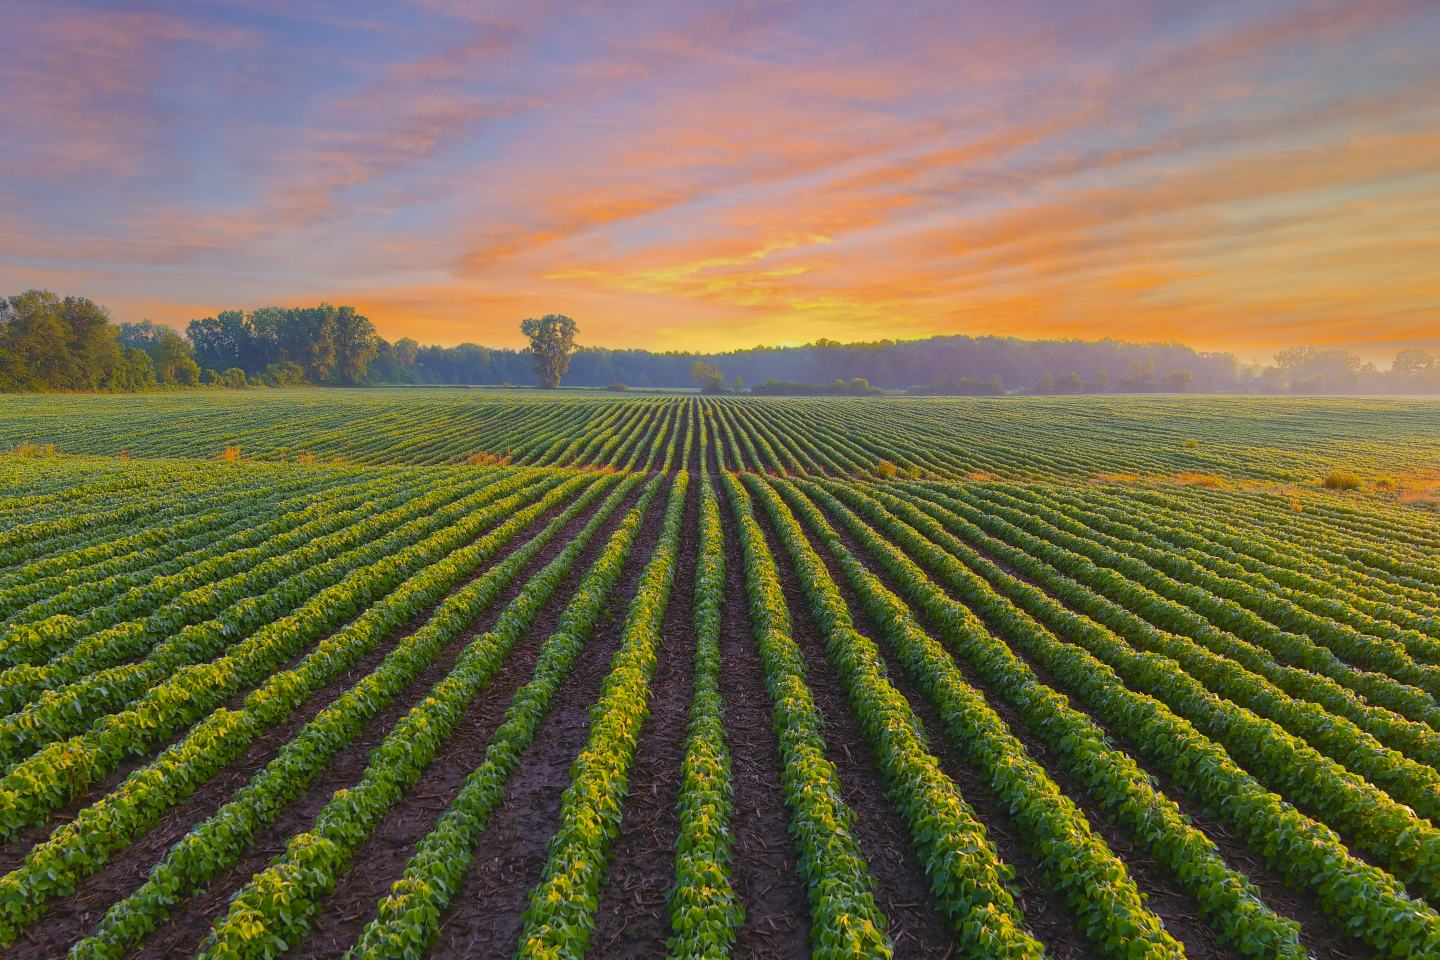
column 474, row 673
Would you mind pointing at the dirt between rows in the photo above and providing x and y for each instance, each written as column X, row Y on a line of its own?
column 485, row 918
column 632, row 920
column 765, row 869
column 901, row 888
column 13, row 852
column 75, row 916
column 1323, row 937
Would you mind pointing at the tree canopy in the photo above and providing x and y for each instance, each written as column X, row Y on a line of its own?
column 552, row 344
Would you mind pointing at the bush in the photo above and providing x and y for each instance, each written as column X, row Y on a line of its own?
column 285, row 373
column 618, row 387
column 1189, row 479
column 1341, row 480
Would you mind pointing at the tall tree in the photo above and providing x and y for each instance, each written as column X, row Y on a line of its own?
column 171, row 354
column 355, row 345
column 552, row 344
column 707, row 377
column 50, row 343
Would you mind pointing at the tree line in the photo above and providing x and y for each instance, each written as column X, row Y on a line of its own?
column 49, row 342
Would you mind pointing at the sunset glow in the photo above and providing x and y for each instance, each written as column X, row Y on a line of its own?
column 1234, row 175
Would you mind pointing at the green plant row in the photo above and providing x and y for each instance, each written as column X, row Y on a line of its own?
column 1075, row 861
column 1289, row 648
column 162, row 548
column 704, row 909
column 1122, row 604
column 1326, row 728
column 86, row 843
column 1111, row 779
column 409, row 916
column 561, row 914
column 1374, row 652
column 229, row 578
column 1329, row 590
column 845, row 922
column 217, row 843
column 273, row 910
column 74, row 706
column 1370, row 902
column 1407, row 843
column 64, row 769
column 236, row 519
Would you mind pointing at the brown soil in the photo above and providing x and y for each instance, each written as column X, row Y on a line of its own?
column 1322, row 936
column 901, row 889
column 486, row 913
column 381, row 860
column 1047, row 915
column 75, row 916
column 766, row 866
column 632, row 919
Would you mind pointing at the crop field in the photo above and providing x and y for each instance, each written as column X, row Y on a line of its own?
column 450, row 673
column 1268, row 439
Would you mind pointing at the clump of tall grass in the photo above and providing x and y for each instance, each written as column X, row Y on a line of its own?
column 1191, row 479
column 1341, row 480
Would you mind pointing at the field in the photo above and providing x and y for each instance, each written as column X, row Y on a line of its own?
column 476, row 673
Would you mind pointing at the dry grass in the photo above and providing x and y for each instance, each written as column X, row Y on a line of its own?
column 1341, row 480
column 1192, row 444
column 1420, row 489
column 488, row 459
column 1118, row 477
column 979, row 476
column 1190, row 479
column 305, row 456
column 230, row 454
column 885, row 470
column 28, row 449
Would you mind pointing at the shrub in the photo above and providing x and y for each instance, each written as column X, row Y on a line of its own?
column 1190, row 479
column 1341, row 480
column 885, row 470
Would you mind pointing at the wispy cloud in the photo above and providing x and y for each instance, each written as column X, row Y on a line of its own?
column 1237, row 175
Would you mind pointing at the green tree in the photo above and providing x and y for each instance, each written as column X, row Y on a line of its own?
column 552, row 344
column 285, row 373
column 50, row 343
column 355, row 345
column 708, row 377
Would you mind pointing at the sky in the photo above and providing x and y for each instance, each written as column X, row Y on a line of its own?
column 1238, row 176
